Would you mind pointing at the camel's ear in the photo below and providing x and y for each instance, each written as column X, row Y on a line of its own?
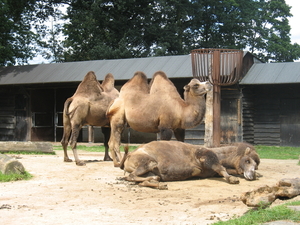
column 108, row 82
column 247, row 151
column 186, row 88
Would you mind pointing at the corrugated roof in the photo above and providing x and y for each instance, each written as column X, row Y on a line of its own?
column 122, row 69
column 273, row 73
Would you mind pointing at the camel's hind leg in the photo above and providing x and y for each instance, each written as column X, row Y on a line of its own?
column 116, row 115
column 106, row 134
column 73, row 143
column 65, row 139
column 143, row 165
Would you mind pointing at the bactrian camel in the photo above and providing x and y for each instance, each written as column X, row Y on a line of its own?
column 155, row 108
column 88, row 106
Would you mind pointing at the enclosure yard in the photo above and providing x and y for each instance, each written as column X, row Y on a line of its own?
column 63, row 193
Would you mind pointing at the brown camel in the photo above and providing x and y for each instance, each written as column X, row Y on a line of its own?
column 238, row 159
column 88, row 106
column 155, row 108
column 171, row 161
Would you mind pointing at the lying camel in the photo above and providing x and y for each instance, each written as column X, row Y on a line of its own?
column 88, row 106
column 238, row 159
column 155, row 108
column 171, row 161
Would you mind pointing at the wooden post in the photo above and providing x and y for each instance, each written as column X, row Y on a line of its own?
column 216, row 99
column 208, row 136
column 90, row 134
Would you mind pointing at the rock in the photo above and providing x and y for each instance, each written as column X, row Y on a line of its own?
column 265, row 195
column 9, row 165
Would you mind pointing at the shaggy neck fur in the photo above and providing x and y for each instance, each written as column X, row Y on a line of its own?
column 194, row 110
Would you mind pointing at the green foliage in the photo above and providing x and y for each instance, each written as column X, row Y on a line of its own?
column 103, row 29
column 15, row 177
column 275, row 152
column 18, row 19
column 261, row 215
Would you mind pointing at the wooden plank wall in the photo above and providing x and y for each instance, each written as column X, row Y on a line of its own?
column 7, row 117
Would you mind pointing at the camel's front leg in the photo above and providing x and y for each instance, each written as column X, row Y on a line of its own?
column 179, row 134
column 106, row 133
column 222, row 172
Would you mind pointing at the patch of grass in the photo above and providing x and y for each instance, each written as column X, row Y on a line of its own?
column 275, row 152
column 29, row 153
column 14, row 177
column 91, row 148
column 259, row 216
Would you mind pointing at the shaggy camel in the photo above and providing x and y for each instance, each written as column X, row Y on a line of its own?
column 155, row 108
column 171, row 161
column 88, row 106
column 238, row 159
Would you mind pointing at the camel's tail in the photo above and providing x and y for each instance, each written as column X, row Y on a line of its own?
column 66, row 122
column 126, row 148
column 66, row 105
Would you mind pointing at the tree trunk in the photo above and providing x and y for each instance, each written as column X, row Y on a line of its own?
column 9, row 165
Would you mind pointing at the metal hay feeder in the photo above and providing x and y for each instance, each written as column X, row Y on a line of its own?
column 221, row 67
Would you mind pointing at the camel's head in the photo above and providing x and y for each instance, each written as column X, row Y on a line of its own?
column 249, row 163
column 197, row 88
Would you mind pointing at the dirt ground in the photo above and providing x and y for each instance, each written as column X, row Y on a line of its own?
column 63, row 193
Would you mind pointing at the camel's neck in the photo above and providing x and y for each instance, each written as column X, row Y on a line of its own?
column 194, row 111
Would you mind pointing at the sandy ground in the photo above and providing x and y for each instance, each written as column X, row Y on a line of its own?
column 63, row 193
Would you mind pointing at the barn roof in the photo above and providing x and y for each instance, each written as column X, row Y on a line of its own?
column 273, row 73
column 122, row 69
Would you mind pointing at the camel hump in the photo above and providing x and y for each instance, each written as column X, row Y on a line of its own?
column 161, row 84
column 108, row 83
column 90, row 76
column 161, row 74
column 139, row 82
column 89, row 86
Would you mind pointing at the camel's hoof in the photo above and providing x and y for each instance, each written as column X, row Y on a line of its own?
column 162, row 186
column 116, row 164
column 80, row 163
column 68, row 160
column 233, row 180
column 107, row 158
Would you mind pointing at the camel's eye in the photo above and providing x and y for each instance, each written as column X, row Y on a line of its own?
column 248, row 161
column 196, row 85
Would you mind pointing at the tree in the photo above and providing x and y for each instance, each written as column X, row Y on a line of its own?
column 18, row 41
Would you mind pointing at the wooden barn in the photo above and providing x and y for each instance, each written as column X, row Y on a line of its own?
column 32, row 98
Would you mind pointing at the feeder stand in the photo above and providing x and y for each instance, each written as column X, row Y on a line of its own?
column 221, row 67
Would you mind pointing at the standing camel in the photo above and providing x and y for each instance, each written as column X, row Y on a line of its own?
column 88, row 106
column 155, row 108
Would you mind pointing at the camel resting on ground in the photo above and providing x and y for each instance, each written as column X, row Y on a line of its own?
column 238, row 159
column 171, row 161
column 88, row 106
column 155, row 108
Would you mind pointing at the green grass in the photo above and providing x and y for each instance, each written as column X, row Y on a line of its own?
column 91, row 148
column 28, row 153
column 14, row 177
column 275, row 152
column 259, row 216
